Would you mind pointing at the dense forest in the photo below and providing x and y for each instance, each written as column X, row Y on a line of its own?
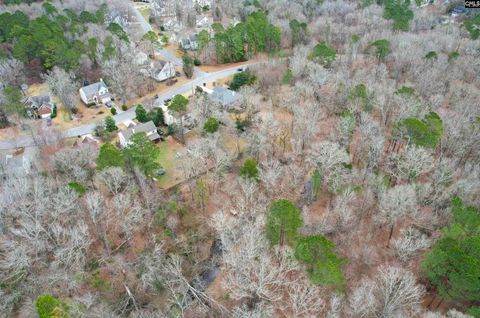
column 346, row 183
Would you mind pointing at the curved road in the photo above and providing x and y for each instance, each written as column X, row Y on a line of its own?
column 28, row 141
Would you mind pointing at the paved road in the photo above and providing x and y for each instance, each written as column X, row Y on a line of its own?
column 28, row 141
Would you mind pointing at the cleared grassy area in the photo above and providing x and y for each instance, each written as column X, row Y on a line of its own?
column 166, row 157
column 145, row 12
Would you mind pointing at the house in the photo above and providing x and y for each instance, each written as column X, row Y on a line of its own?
column 39, row 106
column 17, row 163
column 161, row 70
column 203, row 3
column 189, row 43
column 87, row 140
column 227, row 98
column 205, row 22
column 96, row 93
column 148, row 128
column 167, row 117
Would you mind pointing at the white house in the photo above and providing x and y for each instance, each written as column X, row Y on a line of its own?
column 167, row 117
column 161, row 70
column 96, row 93
column 148, row 128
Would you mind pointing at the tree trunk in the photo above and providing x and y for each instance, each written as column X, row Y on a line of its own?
column 390, row 236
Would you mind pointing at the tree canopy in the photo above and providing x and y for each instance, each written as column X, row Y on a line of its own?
column 211, row 125
column 52, row 38
column 399, row 12
column 324, row 267
column 237, row 42
column 453, row 265
column 427, row 132
column 110, row 156
column 323, row 54
column 178, row 104
column 141, row 114
column 283, row 221
column 142, row 153
column 249, row 169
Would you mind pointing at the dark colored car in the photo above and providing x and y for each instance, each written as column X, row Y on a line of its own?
column 160, row 172
column 86, row 83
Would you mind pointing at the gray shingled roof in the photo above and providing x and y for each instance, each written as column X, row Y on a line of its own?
column 39, row 101
column 144, row 127
column 224, row 96
column 93, row 89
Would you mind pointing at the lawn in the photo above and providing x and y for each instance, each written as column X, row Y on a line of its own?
column 166, row 157
column 145, row 12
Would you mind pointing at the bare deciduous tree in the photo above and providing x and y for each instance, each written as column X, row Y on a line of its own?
column 393, row 292
column 63, row 86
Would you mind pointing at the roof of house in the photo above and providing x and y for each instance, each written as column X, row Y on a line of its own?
column 92, row 89
column 38, row 102
column 147, row 127
column 224, row 96
column 158, row 66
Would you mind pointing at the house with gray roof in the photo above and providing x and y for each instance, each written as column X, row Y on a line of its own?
column 148, row 128
column 94, row 94
column 39, row 106
column 227, row 98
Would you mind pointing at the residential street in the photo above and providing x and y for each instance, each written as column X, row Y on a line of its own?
column 130, row 113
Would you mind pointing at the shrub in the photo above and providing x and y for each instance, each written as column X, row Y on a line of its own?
column 249, row 169
column 113, row 110
column 124, row 107
column 50, row 307
column 240, row 79
column 211, row 125
column 197, row 62
column 54, row 112
column 431, row 55
column 77, row 187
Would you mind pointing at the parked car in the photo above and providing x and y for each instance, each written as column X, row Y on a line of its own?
column 160, row 172
column 240, row 69
column 109, row 104
column 86, row 83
